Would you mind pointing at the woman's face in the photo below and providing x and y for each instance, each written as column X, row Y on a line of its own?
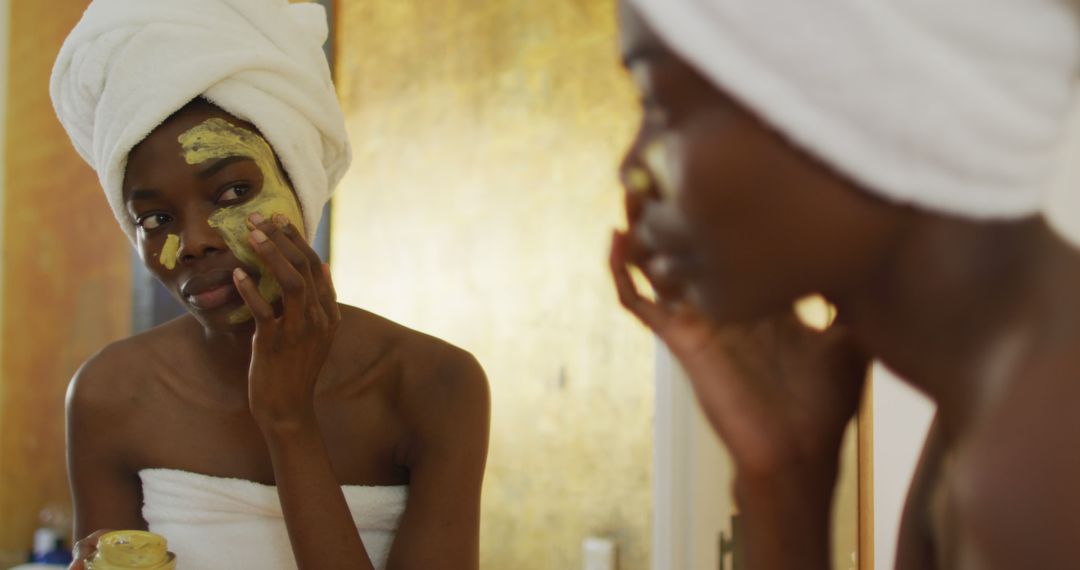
column 723, row 211
column 189, row 189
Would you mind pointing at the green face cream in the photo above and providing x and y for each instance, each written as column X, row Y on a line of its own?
column 216, row 139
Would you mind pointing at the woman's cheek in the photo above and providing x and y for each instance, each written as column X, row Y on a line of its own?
column 170, row 252
column 682, row 177
column 661, row 158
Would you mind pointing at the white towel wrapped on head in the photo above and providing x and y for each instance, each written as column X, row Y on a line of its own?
column 130, row 64
column 956, row 106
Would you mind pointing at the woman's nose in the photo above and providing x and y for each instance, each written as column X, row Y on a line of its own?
column 637, row 180
column 198, row 239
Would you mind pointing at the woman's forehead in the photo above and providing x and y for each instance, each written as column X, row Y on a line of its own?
column 161, row 151
column 191, row 116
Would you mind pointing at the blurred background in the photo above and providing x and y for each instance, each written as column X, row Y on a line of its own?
column 478, row 209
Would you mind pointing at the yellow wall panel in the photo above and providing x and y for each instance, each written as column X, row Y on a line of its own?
column 479, row 209
column 66, row 269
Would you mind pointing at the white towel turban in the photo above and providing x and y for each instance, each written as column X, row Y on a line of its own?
column 955, row 106
column 130, row 64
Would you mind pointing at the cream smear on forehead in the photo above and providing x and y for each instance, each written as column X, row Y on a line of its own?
column 216, row 139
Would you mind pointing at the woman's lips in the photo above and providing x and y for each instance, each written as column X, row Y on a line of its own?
column 213, row 298
column 660, row 256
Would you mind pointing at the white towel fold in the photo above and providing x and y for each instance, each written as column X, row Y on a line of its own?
column 130, row 64
column 215, row 523
column 952, row 105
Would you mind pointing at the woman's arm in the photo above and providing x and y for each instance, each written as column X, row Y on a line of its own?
column 105, row 493
column 785, row 518
column 288, row 353
column 451, row 414
column 321, row 528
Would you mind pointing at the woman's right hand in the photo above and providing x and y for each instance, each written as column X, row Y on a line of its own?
column 778, row 393
column 86, row 549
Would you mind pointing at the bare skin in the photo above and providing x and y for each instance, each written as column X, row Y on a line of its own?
column 980, row 316
column 308, row 396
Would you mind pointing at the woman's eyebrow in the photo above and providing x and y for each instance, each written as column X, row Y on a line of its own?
column 218, row 166
column 143, row 194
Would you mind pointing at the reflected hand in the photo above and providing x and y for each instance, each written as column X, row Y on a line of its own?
column 288, row 351
column 778, row 393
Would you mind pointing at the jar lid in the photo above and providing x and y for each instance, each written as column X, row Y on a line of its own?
column 131, row 549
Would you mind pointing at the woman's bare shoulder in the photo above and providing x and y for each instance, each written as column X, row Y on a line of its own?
column 436, row 378
column 363, row 333
column 1016, row 483
column 114, row 376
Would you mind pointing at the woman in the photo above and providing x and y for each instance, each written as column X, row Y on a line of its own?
column 270, row 427
column 888, row 156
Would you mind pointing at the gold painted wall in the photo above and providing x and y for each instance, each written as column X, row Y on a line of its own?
column 66, row 270
column 479, row 209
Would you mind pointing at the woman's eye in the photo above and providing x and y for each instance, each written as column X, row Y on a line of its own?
column 234, row 193
column 152, row 221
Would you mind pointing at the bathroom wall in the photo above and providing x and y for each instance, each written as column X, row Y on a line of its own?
column 479, row 209
column 66, row 275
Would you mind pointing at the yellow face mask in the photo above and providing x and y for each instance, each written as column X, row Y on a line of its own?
column 171, row 252
column 215, row 139
column 658, row 158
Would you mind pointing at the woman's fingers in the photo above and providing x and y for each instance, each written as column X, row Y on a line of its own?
column 330, row 301
column 280, row 231
column 647, row 311
column 262, row 311
column 294, row 284
column 297, row 240
column 85, row 549
column 323, row 286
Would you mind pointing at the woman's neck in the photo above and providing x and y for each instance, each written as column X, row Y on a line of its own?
column 959, row 306
column 229, row 353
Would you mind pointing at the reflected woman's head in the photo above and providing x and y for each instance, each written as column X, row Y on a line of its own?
column 177, row 181
column 189, row 190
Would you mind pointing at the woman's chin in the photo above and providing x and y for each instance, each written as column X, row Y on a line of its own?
column 225, row 320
